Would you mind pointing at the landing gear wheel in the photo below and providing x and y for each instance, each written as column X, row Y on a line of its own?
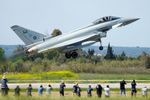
column 68, row 55
column 101, row 48
column 74, row 54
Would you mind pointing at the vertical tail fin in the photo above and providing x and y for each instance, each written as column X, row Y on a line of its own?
column 26, row 35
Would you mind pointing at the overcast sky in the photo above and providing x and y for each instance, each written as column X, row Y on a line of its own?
column 67, row 15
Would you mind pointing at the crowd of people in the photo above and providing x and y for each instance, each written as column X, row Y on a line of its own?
column 76, row 89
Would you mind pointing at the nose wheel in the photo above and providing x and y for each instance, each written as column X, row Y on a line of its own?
column 100, row 47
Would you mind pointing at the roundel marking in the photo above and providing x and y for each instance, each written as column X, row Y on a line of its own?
column 34, row 37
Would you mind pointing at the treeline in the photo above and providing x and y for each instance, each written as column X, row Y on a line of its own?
column 86, row 63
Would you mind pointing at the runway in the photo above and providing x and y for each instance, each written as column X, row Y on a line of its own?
column 56, row 85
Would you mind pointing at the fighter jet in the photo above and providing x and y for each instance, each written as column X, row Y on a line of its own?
column 70, row 42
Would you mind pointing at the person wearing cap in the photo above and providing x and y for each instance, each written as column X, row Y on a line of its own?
column 4, row 86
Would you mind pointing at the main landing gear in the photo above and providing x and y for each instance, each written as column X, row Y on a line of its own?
column 72, row 54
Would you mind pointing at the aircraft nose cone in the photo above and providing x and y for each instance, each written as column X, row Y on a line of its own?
column 133, row 19
column 129, row 20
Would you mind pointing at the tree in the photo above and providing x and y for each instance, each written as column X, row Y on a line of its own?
column 19, row 48
column 122, row 56
column 18, row 52
column 147, row 61
column 51, row 54
column 56, row 32
column 2, row 54
column 91, row 52
column 142, row 56
column 109, row 54
column 146, row 58
column 18, row 65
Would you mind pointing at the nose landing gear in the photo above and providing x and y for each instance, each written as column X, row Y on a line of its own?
column 100, row 47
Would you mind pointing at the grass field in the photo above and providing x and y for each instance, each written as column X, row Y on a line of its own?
column 92, row 76
column 42, row 76
column 69, row 96
column 102, row 73
column 70, row 77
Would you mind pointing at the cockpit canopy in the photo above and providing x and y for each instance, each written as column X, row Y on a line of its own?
column 105, row 19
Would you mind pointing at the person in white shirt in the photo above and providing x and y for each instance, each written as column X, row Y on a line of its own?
column 144, row 91
column 107, row 91
column 48, row 89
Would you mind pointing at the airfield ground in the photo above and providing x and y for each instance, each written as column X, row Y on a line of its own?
column 69, row 86
column 69, row 96
column 73, row 77
column 84, row 79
